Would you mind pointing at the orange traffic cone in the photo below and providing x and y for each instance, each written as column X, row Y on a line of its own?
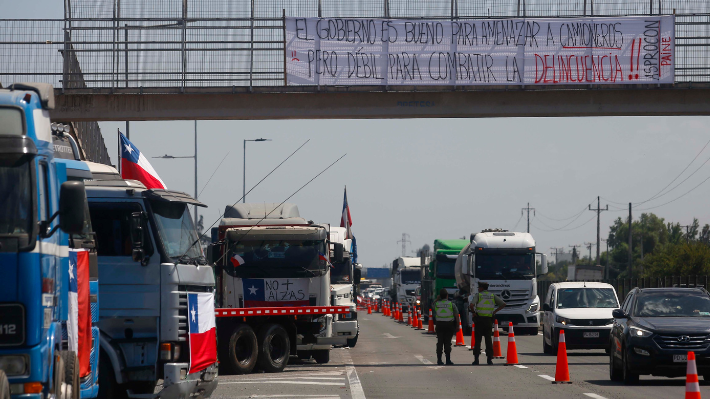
column 473, row 336
column 692, row 386
column 401, row 314
column 409, row 316
column 419, row 325
column 459, row 336
column 497, row 353
column 430, row 329
column 386, row 309
column 415, row 322
column 562, row 368
column 512, row 357
column 369, row 309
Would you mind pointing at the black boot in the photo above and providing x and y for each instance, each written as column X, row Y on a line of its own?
column 438, row 359
column 448, row 360
column 475, row 361
column 490, row 361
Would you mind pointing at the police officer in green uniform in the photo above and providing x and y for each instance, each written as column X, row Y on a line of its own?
column 484, row 306
column 446, row 316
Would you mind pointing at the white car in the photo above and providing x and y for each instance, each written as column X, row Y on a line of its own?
column 583, row 310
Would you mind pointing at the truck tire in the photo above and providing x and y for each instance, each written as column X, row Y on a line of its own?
column 71, row 371
column 243, row 350
column 353, row 341
column 4, row 386
column 274, row 348
column 321, row 356
column 59, row 376
column 108, row 387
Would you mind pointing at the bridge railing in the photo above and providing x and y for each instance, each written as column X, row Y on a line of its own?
column 177, row 45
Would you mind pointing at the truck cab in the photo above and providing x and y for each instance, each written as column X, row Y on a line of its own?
column 507, row 262
column 34, row 258
column 344, row 277
column 406, row 277
column 149, row 260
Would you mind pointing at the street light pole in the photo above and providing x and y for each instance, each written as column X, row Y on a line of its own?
column 244, row 169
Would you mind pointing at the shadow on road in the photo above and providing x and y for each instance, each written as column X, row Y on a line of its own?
column 660, row 382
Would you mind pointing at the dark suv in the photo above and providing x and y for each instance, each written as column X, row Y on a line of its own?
column 655, row 329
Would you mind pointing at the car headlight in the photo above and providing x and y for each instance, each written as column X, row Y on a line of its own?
column 563, row 320
column 639, row 332
column 533, row 308
column 418, row 302
column 14, row 365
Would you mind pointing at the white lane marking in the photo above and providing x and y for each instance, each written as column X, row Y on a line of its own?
column 547, row 377
column 388, row 335
column 356, row 391
column 284, row 382
column 423, row 360
column 520, row 366
column 595, row 396
column 295, row 378
column 290, row 396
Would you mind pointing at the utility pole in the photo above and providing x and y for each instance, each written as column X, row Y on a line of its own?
column 599, row 210
column 404, row 241
column 528, row 209
column 574, row 252
column 589, row 245
column 556, row 249
column 606, row 267
column 687, row 233
column 631, row 259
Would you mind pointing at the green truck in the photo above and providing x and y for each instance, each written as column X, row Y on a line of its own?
column 441, row 273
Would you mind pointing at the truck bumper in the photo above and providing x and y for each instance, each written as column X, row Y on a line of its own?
column 519, row 319
column 314, row 347
column 195, row 385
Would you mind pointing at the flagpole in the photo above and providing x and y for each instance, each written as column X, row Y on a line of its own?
column 119, row 150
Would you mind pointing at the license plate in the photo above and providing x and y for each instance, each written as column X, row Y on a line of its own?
column 593, row 334
column 680, row 358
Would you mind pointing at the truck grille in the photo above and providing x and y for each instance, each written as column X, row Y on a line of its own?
column 682, row 341
column 517, row 297
column 182, row 307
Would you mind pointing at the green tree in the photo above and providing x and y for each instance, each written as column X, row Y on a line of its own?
column 685, row 259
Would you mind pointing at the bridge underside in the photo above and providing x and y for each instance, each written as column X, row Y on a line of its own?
column 363, row 103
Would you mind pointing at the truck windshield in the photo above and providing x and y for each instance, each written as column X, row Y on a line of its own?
column 673, row 304
column 176, row 230
column 568, row 298
column 445, row 269
column 504, row 266
column 277, row 258
column 15, row 195
column 340, row 273
column 411, row 277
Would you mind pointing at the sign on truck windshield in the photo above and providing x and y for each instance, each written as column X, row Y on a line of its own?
column 505, row 266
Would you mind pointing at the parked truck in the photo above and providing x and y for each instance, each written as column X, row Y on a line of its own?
column 149, row 260
column 406, row 277
column 273, row 288
column 34, row 249
column 507, row 262
column 344, row 279
column 441, row 271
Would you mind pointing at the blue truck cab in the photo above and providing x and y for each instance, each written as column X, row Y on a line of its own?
column 39, row 210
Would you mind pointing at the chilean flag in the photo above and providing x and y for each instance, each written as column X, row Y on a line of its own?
column 237, row 260
column 203, row 339
column 136, row 166
column 79, row 323
column 345, row 219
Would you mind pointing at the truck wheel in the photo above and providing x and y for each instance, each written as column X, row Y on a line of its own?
column 71, row 370
column 108, row 387
column 274, row 348
column 59, row 376
column 353, row 341
column 243, row 350
column 321, row 356
column 4, row 386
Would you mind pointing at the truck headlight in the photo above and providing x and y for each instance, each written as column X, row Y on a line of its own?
column 533, row 308
column 169, row 351
column 14, row 365
column 639, row 332
column 563, row 320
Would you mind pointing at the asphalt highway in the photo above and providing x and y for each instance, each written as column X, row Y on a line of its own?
column 392, row 360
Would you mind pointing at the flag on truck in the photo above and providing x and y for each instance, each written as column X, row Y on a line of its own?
column 79, row 323
column 134, row 165
column 347, row 222
column 203, row 337
column 324, row 259
column 237, row 260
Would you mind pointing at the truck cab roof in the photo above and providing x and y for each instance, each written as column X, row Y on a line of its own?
column 268, row 214
column 502, row 239
column 129, row 189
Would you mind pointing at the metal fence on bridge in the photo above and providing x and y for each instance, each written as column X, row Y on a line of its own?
column 173, row 45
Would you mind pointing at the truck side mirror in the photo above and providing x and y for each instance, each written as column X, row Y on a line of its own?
column 543, row 264
column 72, row 204
column 338, row 249
column 213, row 254
column 137, row 238
column 464, row 264
column 357, row 276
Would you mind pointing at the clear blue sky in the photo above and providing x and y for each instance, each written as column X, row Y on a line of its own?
column 435, row 178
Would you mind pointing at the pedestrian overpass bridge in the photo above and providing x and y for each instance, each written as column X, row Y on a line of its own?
column 211, row 59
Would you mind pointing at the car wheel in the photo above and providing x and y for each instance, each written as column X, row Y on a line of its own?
column 630, row 377
column 614, row 372
column 555, row 342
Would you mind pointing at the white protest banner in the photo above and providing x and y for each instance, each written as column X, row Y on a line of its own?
column 560, row 51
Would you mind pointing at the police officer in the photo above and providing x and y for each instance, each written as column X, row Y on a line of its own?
column 447, row 319
column 484, row 306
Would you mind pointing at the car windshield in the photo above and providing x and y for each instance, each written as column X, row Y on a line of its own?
column 15, row 195
column 340, row 273
column 504, row 266
column 445, row 269
column 410, row 277
column 176, row 230
column 277, row 258
column 568, row 298
column 672, row 304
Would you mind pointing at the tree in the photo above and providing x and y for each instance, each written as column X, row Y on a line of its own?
column 683, row 259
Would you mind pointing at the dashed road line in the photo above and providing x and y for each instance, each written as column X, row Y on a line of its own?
column 547, row 377
column 520, row 366
column 423, row 360
column 388, row 335
column 292, row 382
column 595, row 396
column 356, row 391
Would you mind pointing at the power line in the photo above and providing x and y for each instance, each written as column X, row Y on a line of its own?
column 563, row 219
column 518, row 222
column 677, row 198
column 570, row 229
